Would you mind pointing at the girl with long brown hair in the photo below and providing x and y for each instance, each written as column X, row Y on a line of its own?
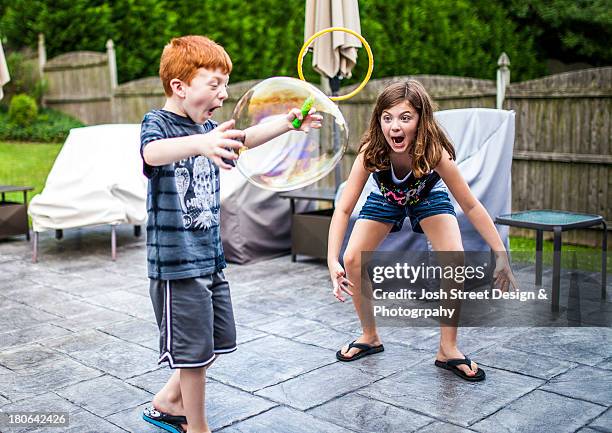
column 413, row 164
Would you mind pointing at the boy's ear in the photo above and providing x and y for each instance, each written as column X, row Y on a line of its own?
column 178, row 87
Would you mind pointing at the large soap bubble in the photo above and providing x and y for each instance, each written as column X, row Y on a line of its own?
column 294, row 159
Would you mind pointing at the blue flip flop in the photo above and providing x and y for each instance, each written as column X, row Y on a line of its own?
column 171, row 423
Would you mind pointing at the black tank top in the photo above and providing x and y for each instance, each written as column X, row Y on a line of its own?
column 410, row 192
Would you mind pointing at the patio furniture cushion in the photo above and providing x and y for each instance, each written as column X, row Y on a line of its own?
column 96, row 179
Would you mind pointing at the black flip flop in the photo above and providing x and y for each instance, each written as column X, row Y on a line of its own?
column 452, row 365
column 366, row 349
column 171, row 423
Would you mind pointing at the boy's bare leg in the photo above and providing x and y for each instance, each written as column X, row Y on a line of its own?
column 193, row 383
column 366, row 236
column 443, row 233
column 169, row 399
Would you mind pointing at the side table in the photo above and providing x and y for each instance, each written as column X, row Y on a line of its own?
column 309, row 230
column 14, row 215
column 557, row 222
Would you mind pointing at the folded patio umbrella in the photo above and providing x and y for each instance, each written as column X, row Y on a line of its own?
column 334, row 54
column 4, row 72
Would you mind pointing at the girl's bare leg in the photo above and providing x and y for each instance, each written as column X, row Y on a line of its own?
column 366, row 236
column 443, row 233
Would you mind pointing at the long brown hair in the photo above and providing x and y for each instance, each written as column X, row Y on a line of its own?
column 426, row 150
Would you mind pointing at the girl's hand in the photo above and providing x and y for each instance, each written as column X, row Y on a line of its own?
column 502, row 276
column 310, row 121
column 339, row 281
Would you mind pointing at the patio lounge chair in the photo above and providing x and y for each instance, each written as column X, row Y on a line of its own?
column 95, row 180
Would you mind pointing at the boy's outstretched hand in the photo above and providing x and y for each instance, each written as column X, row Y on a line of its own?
column 339, row 281
column 503, row 277
column 220, row 143
column 311, row 120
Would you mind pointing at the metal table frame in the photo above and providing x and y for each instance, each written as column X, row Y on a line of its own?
column 59, row 234
column 557, row 229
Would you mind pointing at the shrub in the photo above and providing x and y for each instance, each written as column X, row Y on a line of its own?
column 23, row 110
column 51, row 127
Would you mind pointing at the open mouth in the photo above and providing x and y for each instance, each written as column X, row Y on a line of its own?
column 211, row 111
column 397, row 140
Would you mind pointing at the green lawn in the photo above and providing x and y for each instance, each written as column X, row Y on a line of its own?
column 26, row 164
column 572, row 256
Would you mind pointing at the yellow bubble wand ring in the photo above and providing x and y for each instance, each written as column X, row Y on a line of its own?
column 339, row 29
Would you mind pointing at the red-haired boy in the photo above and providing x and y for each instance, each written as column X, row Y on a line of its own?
column 182, row 150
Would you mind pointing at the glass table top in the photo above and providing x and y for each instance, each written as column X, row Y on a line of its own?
column 550, row 217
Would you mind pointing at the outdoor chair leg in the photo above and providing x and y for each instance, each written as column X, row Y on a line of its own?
column 604, row 259
column 59, row 234
column 292, row 210
column 137, row 231
column 113, row 243
column 556, row 281
column 538, row 268
column 34, row 247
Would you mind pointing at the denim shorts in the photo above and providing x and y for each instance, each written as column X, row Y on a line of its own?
column 378, row 208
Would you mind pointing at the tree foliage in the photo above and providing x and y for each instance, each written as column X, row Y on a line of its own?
column 567, row 30
column 449, row 37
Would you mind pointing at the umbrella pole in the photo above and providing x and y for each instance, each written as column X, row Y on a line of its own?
column 334, row 84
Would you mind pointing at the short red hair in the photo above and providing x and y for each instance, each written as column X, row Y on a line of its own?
column 183, row 56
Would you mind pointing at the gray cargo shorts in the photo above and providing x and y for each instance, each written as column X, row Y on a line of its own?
column 195, row 319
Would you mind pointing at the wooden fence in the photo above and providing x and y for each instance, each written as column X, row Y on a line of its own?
column 79, row 84
column 563, row 146
column 562, row 152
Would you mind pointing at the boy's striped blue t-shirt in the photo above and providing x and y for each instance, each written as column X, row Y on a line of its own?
column 183, row 205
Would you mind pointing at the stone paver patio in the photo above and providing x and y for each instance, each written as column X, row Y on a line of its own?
column 78, row 335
